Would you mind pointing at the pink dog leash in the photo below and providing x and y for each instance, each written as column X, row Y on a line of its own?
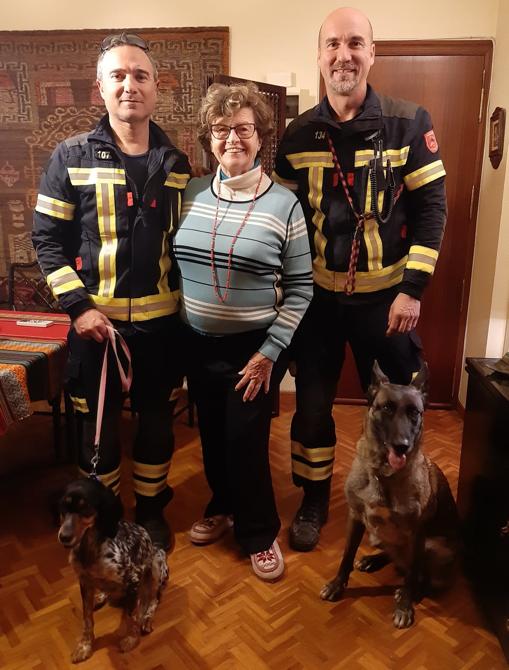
column 125, row 379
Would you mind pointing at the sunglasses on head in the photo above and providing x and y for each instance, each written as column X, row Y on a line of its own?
column 123, row 38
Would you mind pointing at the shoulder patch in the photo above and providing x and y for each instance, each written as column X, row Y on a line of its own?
column 431, row 141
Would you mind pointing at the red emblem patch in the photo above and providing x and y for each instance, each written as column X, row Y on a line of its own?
column 79, row 262
column 350, row 178
column 431, row 141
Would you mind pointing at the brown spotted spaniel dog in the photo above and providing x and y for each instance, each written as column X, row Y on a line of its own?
column 113, row 559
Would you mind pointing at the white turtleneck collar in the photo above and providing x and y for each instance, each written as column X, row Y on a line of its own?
column 243, row 186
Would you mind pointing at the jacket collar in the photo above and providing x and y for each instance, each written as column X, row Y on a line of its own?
column 103, row 133
column 368, row 119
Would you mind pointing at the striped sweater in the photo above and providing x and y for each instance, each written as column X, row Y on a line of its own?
column 271, row 279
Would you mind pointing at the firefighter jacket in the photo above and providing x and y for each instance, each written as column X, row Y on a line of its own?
column 402, row 251
column 93, row 254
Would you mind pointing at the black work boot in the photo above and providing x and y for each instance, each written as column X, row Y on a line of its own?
column 158, row 529
column 150, row 515
column 310, row 517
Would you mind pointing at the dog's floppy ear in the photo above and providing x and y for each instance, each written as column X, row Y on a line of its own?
column 109, row 512
column 377, row 378
column 421, row 381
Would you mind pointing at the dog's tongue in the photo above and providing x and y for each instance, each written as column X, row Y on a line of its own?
column 396, row 462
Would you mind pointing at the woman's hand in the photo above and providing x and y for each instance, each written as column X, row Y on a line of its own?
column 255, row 375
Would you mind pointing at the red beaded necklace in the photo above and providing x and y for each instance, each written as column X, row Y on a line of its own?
column 215, row 226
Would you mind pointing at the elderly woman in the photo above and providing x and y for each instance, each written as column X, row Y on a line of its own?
column 245, row 266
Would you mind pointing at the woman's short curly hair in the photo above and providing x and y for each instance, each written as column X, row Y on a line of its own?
column 225, row 100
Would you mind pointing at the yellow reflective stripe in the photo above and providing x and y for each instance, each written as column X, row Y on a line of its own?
column 53, row 207
column 138, row 309
column 111, row 479
column 287, row 183
column 310, row 159
column 424, row 175
column 175, row 180
column 79, row 404
column 373, row 243
column 62, row 280
column 312, row 455
column 164, row 264
column 315, row 194
column 313, row 474
column 398, row 157
column 424, row 267
column 149, row 489
column 151, row 471
column 96, row 175
column 365, row 282
column 422, row 258
column 422, row 251
column 372, row 239
column 107, row 230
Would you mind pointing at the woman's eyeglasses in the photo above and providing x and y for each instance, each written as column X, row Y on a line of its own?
column 123, row 38
column 243, row 130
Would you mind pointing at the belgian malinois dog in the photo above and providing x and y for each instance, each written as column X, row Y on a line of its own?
column 400, row 496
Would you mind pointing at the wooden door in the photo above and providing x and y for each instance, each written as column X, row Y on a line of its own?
column 450, row 79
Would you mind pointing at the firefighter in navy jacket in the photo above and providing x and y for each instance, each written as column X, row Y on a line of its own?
column 108, row 204
column 368, row 173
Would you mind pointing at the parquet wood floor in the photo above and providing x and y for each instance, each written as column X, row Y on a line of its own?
column 215, row 613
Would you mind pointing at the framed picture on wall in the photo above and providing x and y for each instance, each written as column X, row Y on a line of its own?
column 497, row 131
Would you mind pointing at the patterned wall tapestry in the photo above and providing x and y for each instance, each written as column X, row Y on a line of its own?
column 48, row 92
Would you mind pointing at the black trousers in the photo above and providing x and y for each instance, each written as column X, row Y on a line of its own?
column 235, row 435
column 154, row 359
column 319, row 351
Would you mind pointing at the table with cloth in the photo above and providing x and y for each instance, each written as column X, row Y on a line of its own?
column 32, row 363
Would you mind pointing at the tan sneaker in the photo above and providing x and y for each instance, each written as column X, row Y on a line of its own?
column 268, row 565
column 210, row 529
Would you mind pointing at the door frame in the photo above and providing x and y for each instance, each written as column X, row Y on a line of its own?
column 482, row 48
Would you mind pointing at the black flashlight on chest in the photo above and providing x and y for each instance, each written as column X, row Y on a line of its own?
column 382, row 180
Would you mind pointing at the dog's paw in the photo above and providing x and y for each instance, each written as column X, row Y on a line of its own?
column 128, row 642
column 403, row 616
column 82, row 651
column 147, row 626
column 371, row 563
column 332, row 590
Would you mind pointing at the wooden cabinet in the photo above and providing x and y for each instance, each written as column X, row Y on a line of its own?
column 483, row 492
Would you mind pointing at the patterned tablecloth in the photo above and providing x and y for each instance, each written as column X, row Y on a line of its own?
column 32, row 362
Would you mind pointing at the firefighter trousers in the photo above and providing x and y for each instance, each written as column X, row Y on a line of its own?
column 319, row 352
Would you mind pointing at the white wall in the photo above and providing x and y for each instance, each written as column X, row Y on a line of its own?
column 271, row 36
column 488, row 314
column 266, row 35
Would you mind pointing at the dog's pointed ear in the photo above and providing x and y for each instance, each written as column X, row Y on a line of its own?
column 377, row 379
column 421, row 381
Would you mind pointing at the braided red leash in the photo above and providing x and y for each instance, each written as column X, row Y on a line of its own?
column 349, row 287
